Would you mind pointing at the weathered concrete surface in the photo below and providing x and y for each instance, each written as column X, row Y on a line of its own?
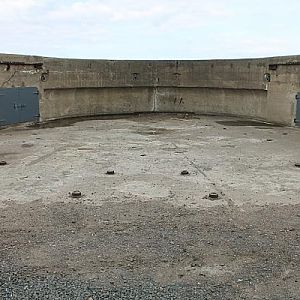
column 70, row 87
column 147, row 232
column 238, row 102
column 60, row 103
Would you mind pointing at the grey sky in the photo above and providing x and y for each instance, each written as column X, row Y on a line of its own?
column 153, row 29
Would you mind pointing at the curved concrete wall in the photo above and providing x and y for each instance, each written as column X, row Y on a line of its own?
column 70, row 87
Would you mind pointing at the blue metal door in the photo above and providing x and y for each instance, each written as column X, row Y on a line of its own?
column 18, row 105
column 297, row 120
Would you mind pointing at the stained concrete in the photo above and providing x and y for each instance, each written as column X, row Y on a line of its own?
column 77, row 88
column 148, row 228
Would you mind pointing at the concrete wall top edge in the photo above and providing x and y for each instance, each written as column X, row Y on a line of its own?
column 34, row 58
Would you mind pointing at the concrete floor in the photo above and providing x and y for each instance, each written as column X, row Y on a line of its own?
column 148, row 229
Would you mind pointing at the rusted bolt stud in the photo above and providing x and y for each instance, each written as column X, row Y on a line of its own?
column 76, row 194
column 213, row 195
column 185, row 173
column 110, row 172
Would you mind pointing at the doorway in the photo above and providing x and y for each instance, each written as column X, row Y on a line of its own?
column 19, row 105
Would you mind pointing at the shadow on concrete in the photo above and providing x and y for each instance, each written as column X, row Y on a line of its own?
column 250, row 123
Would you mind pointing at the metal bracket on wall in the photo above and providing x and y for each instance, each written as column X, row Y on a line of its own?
column 36, row 65
column 135, row 76
column 274, row 67
column 45, row 76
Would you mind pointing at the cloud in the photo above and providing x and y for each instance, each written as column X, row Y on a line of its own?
column 261, row 46
column 169, row 12
column 19, row 12
column 12, row 5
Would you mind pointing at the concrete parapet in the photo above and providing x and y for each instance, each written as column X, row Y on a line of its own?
column 264, row 88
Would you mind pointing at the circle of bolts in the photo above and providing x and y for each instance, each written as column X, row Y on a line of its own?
column 3, row 163
column 185, row 172
column 213, row 196
column 76, row 194
column 110, row 172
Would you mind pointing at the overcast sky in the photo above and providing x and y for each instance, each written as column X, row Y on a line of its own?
column 150, row 29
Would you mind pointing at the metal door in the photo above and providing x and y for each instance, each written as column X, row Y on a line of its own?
column 297, row 120
column 18, row 105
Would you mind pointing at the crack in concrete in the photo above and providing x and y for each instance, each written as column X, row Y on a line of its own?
column 44, row 157
column 9, row 79
column 229, row 201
